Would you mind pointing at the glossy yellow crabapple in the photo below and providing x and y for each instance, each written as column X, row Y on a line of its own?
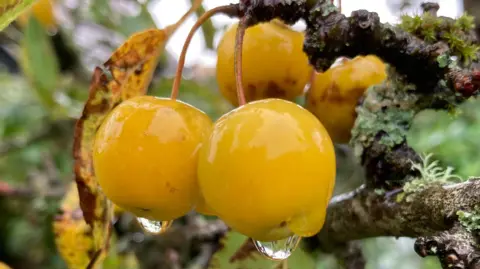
column 274, row 64
column 334, row 94
column 268, row 170
column 145, row 156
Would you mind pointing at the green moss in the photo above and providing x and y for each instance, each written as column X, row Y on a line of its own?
column 430, row 173
column 470, row 220
column 425, row 26
column 456, row 33
column 465, row 50
column 465, row 22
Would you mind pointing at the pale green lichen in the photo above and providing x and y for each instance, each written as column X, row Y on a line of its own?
column 430, row 173
column 470, row 220
column 369, row 124
column 385, row 115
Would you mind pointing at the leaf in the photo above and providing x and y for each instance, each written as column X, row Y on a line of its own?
column 11, row 9
column 4, row 266
column 39, row 62
column 127, row 73
column 238, row 252
column 72, row 234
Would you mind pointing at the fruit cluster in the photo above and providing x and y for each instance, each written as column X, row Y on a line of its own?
column 267, row 168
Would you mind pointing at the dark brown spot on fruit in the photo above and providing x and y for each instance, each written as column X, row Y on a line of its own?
column 170, row 188
column 290, row 81
column 274, row 91
column 144, row 209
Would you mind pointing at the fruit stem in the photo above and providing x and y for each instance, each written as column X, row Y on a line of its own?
column 237, row 58
column 231, row 10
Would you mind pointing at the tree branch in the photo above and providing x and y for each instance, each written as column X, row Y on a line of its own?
column 430, row 215
column 331, row 34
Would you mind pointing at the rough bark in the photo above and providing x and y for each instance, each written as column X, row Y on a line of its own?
column 424, row 213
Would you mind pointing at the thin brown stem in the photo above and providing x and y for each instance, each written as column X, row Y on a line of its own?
column 340, row 6
column 231, row 10
column 242, row 26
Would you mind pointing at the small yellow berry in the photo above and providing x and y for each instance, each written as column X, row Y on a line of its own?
column 146, row 153
column 334, row 94
column 274, row 64
column 268, row 170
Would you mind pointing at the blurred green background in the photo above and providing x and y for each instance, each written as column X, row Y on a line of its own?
column 45, row 70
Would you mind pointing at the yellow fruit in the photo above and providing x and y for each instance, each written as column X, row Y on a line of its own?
column 334, row 94
column 145, row 156
column 268, row 170
column 42, row 10
column 274, row 64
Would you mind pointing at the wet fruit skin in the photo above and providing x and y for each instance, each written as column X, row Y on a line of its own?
column 274, row 64
column 268, row 170
column 334, row 94
column 145, row 156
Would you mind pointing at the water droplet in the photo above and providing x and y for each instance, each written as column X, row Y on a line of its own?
column 154, row 226
column 280, row 249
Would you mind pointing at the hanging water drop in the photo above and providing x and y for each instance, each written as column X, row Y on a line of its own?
column 154, row 226
column 280, row 249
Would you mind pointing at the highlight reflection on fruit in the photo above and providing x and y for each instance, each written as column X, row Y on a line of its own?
column 268, row 170
column 334, row 94
column 145, row 156
column 274, row 64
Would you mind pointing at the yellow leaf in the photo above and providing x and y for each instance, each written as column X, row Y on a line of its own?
column 131, row 68
column 11, row 9
column 72, row 234
column 4, row 266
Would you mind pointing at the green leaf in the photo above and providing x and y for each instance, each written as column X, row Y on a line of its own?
column 39, row 62
column 251, row 259
column 11, row 9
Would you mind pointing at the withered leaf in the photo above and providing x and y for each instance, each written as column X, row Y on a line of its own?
column 72, row 234
column 4, row 266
